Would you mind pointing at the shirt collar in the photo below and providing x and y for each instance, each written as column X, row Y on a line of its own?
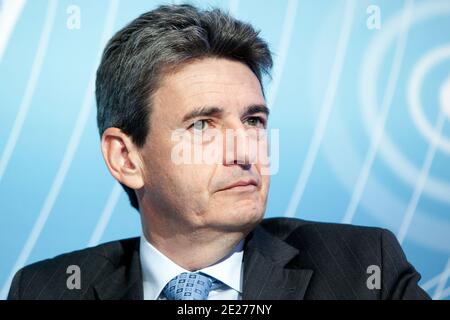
column 228, row 270
column 158, row 270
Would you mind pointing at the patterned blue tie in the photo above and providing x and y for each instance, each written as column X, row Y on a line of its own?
column 189, row 286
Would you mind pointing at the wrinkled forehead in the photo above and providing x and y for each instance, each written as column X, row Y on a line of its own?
column 227, row 84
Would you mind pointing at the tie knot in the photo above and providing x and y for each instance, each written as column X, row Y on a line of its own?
column 189, row 286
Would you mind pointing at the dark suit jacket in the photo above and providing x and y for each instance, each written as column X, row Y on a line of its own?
column 283, row 259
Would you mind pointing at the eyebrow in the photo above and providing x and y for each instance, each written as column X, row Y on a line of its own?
column 217, row 112
column 257, row 108
column 203, row 112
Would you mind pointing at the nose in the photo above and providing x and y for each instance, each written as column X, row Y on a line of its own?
column 240, row 146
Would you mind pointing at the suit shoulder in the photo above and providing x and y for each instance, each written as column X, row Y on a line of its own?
column 38, row 275
column 340, row 255
column 111, row 251
column 285, row 228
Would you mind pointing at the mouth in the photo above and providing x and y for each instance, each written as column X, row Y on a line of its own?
column 242, row 185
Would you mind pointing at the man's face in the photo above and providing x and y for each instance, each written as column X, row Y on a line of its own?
column 201, row 96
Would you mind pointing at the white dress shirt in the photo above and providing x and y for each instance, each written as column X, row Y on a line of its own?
column 158, row 270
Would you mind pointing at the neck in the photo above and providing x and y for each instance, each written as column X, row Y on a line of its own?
column 193, row 249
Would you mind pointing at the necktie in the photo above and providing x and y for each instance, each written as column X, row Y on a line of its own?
column 189, row 286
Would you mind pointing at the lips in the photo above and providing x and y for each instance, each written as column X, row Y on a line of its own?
column 241, row 184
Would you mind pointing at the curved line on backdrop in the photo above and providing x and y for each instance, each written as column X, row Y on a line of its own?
column 325, row 111
column 10, row 11
column 283, row 48
column 68, row 156
column 435, row 280
column 372, row 61
column 421, row 180
column 441, row 280
column 413, row 89
column 440, row 286
column 378, row 133
column 431, row 59
column 282, row 52
column 103, row 221
column 30, row 88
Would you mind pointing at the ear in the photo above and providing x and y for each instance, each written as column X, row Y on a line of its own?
column 122, row 158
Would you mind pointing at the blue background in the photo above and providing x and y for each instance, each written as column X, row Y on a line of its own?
column 351, row 150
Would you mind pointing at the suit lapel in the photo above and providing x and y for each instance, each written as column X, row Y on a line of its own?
column 265, row 275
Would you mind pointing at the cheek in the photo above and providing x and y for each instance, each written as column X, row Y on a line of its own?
column 192, row 188
column 194, row 177
column 266, row 181
column 192, row 181
column 184, row 178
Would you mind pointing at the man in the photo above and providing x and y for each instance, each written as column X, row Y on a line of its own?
column 171, row 76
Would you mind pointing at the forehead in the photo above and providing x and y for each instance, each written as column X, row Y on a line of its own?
column 208, row 82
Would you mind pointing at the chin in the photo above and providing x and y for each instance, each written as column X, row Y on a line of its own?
column 241, row 218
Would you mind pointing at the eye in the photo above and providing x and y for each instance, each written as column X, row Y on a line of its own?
column 200, row 125
column 256, row 122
